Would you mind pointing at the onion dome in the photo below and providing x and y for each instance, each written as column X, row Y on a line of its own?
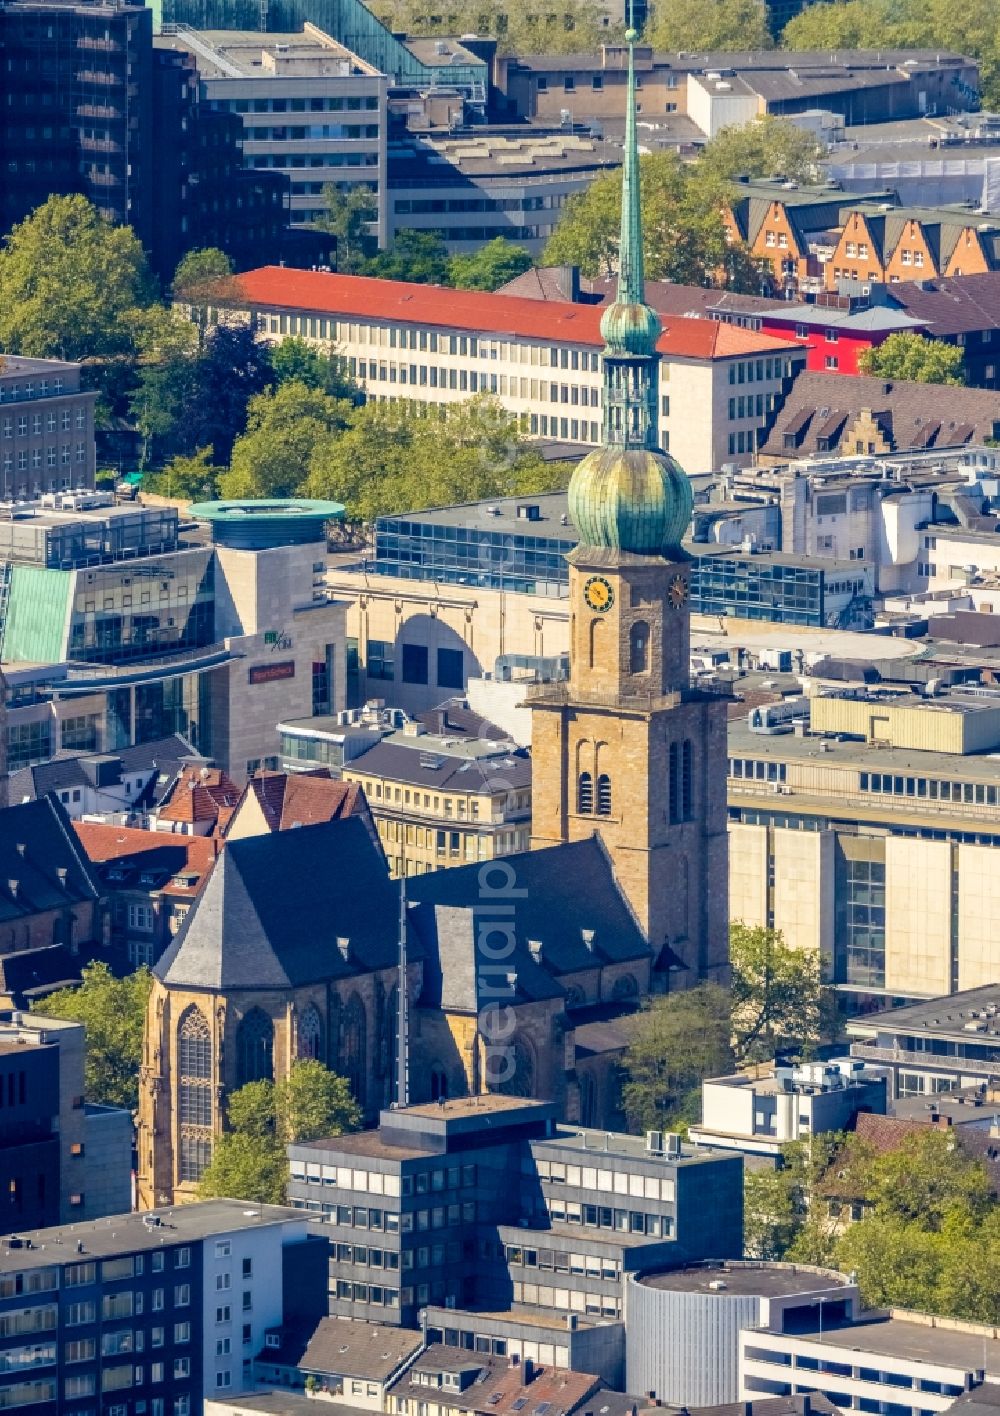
column 636, row 500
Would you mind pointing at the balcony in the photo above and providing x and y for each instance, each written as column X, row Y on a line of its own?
column 925, row 1061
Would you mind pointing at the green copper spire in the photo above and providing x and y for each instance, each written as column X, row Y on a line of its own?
column 631, row 280
column 630, row 328
column 629, row 497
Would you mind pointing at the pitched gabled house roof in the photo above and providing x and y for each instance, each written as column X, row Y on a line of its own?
column 494, row 1386
column 950, row 305
column 159, row 760
column 346, row 1347
column 562, row 894
column 277, row 906
column 43, row 865
column 912, row 416
column 200, row 794
column 479, row 312
column 292, row 799
column 130, row 859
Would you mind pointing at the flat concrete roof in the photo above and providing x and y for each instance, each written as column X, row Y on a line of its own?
column 867, row 757
column 766, row 1281
column 918, row 1342
column 127, row 1233
column 945, row 1017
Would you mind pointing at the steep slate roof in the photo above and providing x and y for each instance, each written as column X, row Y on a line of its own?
column 36, row 841
column 456, row 772
column 480, row 312
column 161, row 759
column 566, row 889
column 276, row 905
column 948, row 305
column 907, row 412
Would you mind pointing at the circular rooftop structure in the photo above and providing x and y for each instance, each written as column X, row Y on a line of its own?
column 721, row 1280
column 260, row 525
column 683, row 1325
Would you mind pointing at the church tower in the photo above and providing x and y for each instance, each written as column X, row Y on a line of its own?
column 628, row 749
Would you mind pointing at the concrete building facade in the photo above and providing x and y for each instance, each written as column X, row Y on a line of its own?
column 404, row 343
column 310, row 109
column 46, row 428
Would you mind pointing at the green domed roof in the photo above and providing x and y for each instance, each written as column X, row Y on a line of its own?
column 630, row 328
column 636, row 500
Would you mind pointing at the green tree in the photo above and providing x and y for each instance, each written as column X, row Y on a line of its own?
column 206, row 266
column 913, row 357
column 285, row 427
column 113, row 1011
column 489, row 267
column 708, row 24
column 420, row 256
column 684, row 236
column 71, row 285
column 322, row 369
column 677, row 1041
column 767, row 147
column 193, row 478
column 395, row 456
column 248, row 1161
column 777, row 996
column 348, row 217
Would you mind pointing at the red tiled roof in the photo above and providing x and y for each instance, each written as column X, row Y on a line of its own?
column 290, row 799
column 479, row 312
column 200, row 794
column 150, row 849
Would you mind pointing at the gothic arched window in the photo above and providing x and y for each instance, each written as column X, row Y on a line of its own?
column 638, row 647
column 687, row 781
column 624, row 986
column 194, row 1069
column 519, row 1074
column 310, row 1032
column 353, row 1046
column 254, row 1049
column 674, row 784
column 439, row 1083
column 604, row 795
column 585, row 794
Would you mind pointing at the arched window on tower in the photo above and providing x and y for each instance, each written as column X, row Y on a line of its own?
column 674, row 783
column 585, row 794
column 194, row 1069
column 604, row 795
column 687, row 781
column 439, row 1083
column 354, row 1046
column 638, row 644
column 255, row 1048
column 310, row 1032
column 194, row 1093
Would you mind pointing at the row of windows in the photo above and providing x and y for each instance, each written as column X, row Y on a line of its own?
column 375, row 1293
column 935, row 789
column 33, row 426
column 567, row 1300
column 44, row 388
column 415, row 666
column 469, row 381
column 352, row 104
column 751, row 405
column 312, row 131
column 750, row 769
column 437, row 206
column 51, row 456
column 757, row 370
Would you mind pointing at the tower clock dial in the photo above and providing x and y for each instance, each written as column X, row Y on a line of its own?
column 677, row 593
column 599, row 594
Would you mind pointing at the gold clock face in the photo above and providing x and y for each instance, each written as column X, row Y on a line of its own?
column 599, row 594
column 677, row 593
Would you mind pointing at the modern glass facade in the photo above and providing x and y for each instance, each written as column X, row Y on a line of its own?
column 757, row 588
column 160, row 605
column 471, row 555
column 751, row 587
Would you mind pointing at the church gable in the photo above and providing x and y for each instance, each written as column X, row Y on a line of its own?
column 288, row 909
